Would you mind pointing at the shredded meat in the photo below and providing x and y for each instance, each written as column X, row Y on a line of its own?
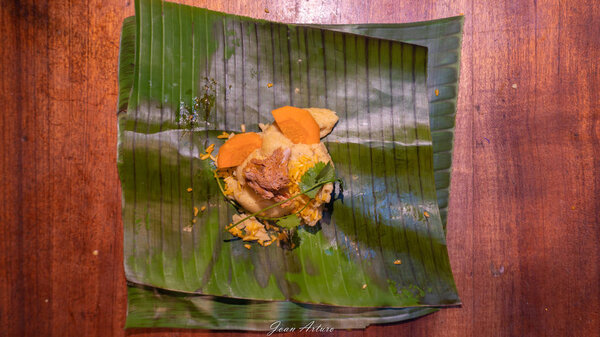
column 269, row 176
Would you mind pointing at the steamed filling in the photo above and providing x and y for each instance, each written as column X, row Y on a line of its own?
column 272, row 174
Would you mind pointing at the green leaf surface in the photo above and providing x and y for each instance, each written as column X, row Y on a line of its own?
column 380, row 215
column 316, row 175
column 151, row 307
column 443, row 39
column 290, row 221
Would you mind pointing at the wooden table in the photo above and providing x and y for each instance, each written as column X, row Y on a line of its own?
column 524, row 221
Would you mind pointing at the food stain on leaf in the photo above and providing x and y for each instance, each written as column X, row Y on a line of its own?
column 189, row 117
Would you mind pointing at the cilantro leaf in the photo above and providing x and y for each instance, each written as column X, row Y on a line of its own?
column 290, row 221
column 310, row 177
column 326, row 174
column 316, row 175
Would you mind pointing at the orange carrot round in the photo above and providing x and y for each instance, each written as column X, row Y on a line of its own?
column 297, row 124
column 237, row 149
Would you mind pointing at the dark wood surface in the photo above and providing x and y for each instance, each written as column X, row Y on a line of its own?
column 524, row 221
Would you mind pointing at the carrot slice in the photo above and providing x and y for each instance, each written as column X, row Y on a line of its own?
column 297, row 124
column 237, row 149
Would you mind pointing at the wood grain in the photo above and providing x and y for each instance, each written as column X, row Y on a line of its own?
column 524, row 221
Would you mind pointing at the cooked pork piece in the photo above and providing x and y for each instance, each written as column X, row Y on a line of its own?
column 269, row 176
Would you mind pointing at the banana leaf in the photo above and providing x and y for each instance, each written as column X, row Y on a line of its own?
column 443, row 39
column 151, row 307
column 158, row 160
